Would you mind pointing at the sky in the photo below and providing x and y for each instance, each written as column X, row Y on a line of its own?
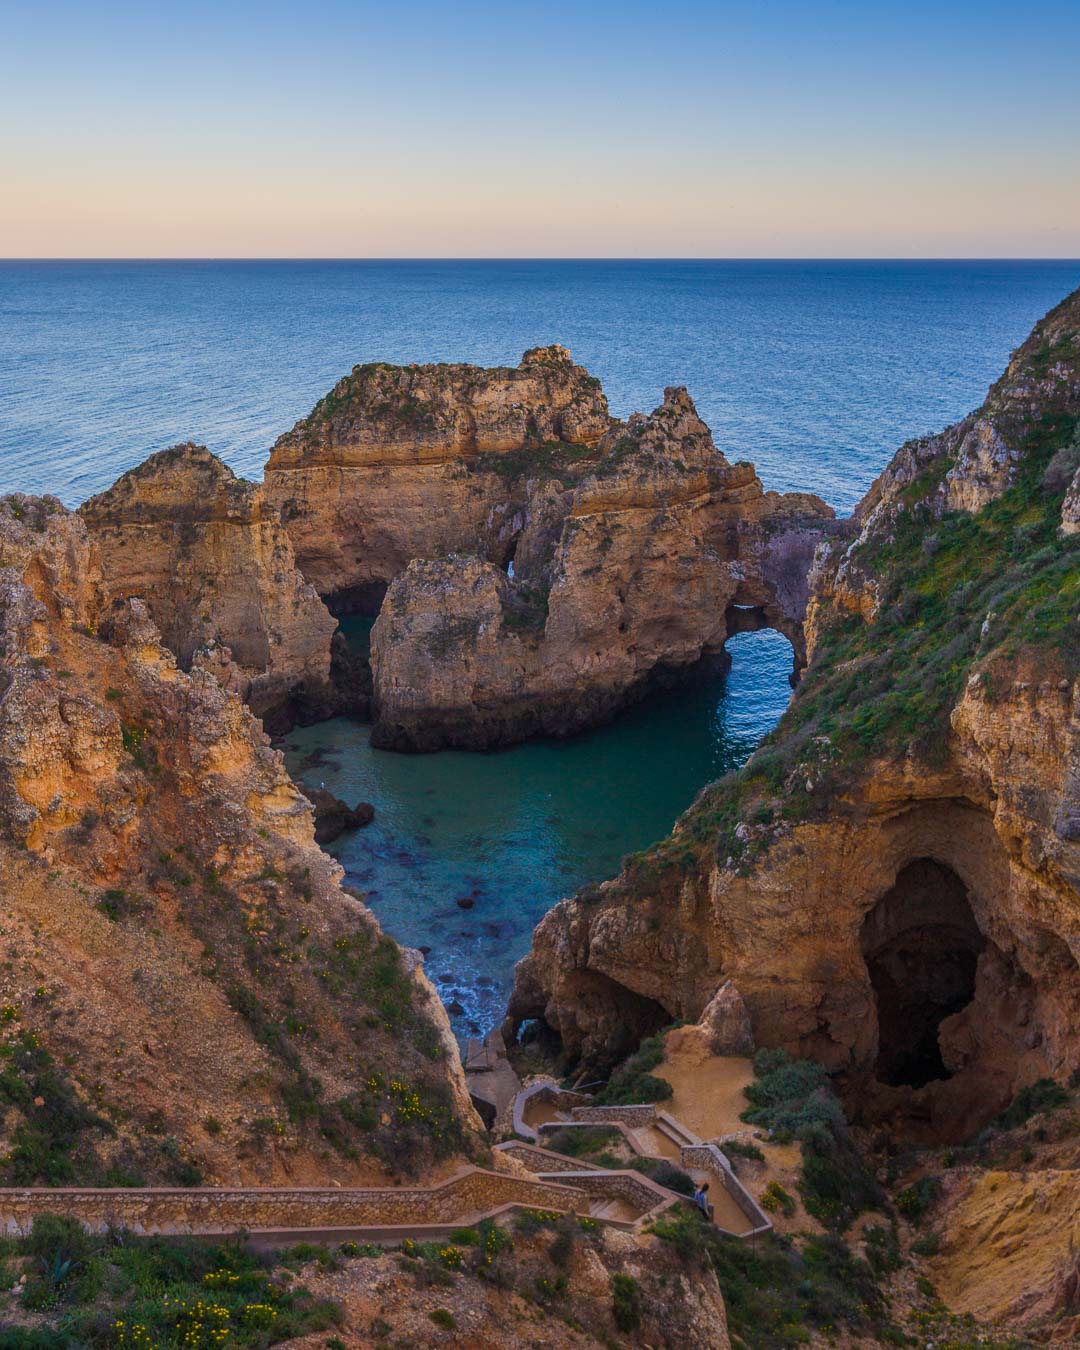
column 839, row 128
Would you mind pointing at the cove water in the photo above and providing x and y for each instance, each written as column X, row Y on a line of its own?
column 816, row 371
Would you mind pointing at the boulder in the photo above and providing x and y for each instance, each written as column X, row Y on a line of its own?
column 727, row 1023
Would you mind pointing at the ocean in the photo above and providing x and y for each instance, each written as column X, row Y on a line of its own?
column 816, row 371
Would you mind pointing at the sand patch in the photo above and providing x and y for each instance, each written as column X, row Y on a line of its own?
column 708, row 1089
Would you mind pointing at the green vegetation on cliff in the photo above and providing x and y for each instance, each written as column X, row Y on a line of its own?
column 958, row 594
column 167, row 1293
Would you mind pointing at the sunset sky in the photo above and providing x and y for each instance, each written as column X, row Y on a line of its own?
column 607, row 129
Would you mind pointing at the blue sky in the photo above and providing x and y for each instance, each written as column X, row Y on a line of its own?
column 333, row 129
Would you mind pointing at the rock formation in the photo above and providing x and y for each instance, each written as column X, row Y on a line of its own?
column 333, row 816
column 404, row 462
column 893, row 881
column 189, row 991
column 207, row 554
column 633, row 562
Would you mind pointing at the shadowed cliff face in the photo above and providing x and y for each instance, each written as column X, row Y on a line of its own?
column 636, row 565
column 208, row 556
column 190, row 992
column 892, row 881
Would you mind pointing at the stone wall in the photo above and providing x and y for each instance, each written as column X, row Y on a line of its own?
column 629, row 1115
column 633, row 1189
column 463, row 1199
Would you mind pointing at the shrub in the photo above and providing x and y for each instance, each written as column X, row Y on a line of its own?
column 581, row 1142
column 633, row 1084
column 794, row 1100
column 882, row 1249
column 776, row 1198
column 915, row 1200
column 43, row 1145
column 738, row 1148
column 117, row 904
column 153, row 1292
column 1042, row 1095
column 626, row 1302
column 442, row 1317
column 665, row 1173
column 777, row 1290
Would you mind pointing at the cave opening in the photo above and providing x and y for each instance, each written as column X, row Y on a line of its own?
column 921, row 946
column 364, row 600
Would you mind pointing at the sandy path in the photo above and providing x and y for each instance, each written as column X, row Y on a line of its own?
column 708, row 1088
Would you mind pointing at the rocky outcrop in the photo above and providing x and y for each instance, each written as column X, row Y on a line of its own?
column 333, row 816
column 190, row 992
column 636, row 566
column 404, row 462
column 893, row 881
column 726, row 1023
column 207, row 554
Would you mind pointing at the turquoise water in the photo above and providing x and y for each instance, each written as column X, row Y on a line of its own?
column 356, row 630
column 516, row 830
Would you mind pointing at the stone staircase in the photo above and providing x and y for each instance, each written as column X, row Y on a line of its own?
column 544, row 1108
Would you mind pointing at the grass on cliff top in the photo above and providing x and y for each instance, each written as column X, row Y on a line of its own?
column 960, row 590
column 141, row 1292
column 560, row 460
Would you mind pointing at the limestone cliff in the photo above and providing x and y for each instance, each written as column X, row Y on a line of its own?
column 632, row 563
column 404, row 462
column 893, row 881
column 208, row 555
column 188, row 991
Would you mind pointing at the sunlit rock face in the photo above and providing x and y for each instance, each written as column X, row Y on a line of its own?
column 174, row 932
column 893, row 881
column 634, row 566
column 207, row 554
column 404, row 462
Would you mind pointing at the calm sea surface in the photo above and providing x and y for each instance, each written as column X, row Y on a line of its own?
column 815, row 371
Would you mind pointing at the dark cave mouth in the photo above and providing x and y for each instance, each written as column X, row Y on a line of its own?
column 921, row 946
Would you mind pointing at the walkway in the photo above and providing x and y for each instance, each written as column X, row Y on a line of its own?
column 544, row 1108
column 278, row 1216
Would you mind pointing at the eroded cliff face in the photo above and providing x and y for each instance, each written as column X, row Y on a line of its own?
column 635, row 563
column 893, row 881
column 404, row 462
column 190, row 993
column 207, row 554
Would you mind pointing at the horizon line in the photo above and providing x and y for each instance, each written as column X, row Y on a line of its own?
column 539, row 258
